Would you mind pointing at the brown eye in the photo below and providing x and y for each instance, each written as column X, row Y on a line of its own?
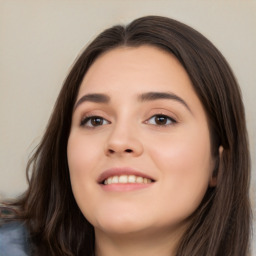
column 93, row 121
column 161, row 120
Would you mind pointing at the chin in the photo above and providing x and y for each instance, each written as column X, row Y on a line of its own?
column 121, row 223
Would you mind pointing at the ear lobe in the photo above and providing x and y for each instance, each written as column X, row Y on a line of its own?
column 213, row 179
column 220, row 151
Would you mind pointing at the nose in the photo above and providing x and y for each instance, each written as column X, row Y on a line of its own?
column 123, row 141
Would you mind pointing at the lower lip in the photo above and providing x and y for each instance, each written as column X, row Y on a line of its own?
column 125, row 187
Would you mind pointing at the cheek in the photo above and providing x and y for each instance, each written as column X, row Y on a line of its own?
column 83, row 153
column 82, row 161
column 185, row 164
column 188, row 153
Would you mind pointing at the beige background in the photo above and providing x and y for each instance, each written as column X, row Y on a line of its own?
column 40, row 39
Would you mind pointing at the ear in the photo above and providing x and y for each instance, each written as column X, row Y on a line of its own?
column 213, row 179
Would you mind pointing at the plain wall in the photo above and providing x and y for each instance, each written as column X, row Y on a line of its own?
column 39, row 41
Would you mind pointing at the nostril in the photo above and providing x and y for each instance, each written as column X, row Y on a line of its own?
column 111, row 151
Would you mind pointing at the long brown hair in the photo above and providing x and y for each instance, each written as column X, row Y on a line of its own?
column 221, row 224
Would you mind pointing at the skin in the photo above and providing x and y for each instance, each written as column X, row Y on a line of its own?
column 175, row 152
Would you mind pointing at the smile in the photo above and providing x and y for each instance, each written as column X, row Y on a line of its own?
column 123, row 179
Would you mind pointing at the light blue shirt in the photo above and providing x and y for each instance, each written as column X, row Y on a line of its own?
column 14, row 240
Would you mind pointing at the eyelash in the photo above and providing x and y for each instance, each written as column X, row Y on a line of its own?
column 87, row 119
column 102, row 121
column 170, row 120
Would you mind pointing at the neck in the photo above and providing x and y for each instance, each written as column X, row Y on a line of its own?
column 136, row 244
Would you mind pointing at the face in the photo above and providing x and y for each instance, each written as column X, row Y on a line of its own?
column 139, row 149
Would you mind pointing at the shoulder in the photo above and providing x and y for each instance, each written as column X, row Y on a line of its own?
column 14, row 239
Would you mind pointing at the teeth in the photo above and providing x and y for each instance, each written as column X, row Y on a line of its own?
column 139, row 180
column 123, row 179
column 131, row 178
column 109, row 180
column 115, row 179
column 126, row 179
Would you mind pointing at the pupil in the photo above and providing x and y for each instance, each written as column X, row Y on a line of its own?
column 161, row 120
column 96, row 121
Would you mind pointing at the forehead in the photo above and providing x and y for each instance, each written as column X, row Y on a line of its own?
column 134, row 70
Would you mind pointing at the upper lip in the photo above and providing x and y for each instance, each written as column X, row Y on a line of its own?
column 118, row 171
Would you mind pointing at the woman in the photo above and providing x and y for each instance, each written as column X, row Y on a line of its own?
column 145, row 153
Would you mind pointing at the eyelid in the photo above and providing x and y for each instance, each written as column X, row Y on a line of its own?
column 91, row 112
column 172, row 120
column 163, row 111
column 86, row 119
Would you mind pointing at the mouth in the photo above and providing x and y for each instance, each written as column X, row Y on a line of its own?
column 125, row 179
column 124, row 176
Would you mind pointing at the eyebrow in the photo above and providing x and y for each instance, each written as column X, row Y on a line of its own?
column 151, row 96
column 95, row 97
